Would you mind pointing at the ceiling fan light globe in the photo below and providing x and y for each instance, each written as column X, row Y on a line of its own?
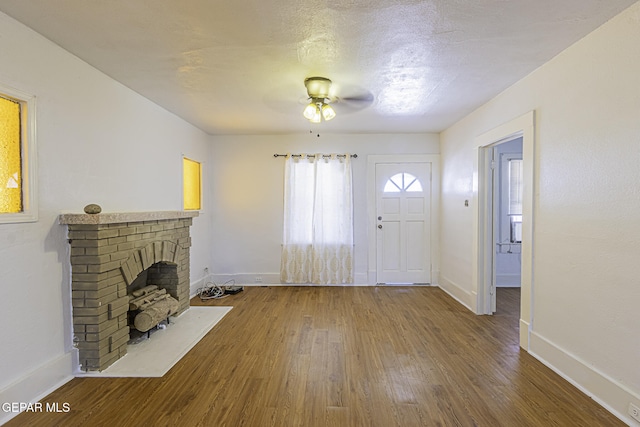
column 328, row 112
column 317, row 118
column 310, row 111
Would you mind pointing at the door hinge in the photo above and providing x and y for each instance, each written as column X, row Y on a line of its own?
column 492, row 165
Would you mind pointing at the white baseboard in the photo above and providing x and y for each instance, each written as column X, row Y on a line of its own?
column 258, row 279
column 435, row 278
column 361, row 279
column 36, row 385
column 372, row 277
column 609, row 393
column 524, row 335
column 461, row 295
column 508, row 280
column 194, row 287
column 267, row 279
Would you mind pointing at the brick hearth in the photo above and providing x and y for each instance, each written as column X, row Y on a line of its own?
column 108, row 251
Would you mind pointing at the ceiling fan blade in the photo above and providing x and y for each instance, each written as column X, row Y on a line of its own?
column 364, row 98
column 352, row 98
column 354, row 102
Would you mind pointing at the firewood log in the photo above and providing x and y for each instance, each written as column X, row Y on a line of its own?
column 135, row 303
column 153, row 300
column 143, row 291
column 155, row 314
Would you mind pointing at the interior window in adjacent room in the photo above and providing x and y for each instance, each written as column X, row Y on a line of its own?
column 192, row 184
column 515, row 200
column 17, row 157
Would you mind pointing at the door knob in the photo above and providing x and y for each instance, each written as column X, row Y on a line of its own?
column 380, row 226
column 379, row 218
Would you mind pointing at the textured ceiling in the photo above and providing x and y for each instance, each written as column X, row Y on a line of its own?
column 239, row 67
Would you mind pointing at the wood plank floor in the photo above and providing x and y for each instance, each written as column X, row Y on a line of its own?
column 340, row 356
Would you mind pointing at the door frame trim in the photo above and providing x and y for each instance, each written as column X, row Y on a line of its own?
column 482, row 219
column 372, row 161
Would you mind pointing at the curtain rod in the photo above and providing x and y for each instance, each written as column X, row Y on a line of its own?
column 355, row 156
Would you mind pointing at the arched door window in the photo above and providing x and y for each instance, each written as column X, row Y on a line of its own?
column 402, row 182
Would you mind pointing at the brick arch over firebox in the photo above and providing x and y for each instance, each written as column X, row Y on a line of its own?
column 143, row 258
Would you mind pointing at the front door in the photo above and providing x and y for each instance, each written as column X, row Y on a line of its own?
column 403, row 202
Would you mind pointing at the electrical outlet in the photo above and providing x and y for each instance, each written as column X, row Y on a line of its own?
column 258, row 279
column 634, row 411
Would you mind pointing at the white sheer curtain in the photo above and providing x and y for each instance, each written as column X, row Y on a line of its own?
column 317, row 242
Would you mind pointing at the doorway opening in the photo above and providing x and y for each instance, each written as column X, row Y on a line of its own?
column 520, row 228
column 506, row 175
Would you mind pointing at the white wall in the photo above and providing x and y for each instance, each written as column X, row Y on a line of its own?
column 586, row 287
column 98, row 142
column 248, row 196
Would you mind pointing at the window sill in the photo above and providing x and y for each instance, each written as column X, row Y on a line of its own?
column 16, row 218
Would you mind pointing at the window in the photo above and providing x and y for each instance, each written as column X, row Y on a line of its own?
column 17, row 157
column 317, row 245
column 11, row 160
column 192, row 184
column 403, row 182
column 515, row 200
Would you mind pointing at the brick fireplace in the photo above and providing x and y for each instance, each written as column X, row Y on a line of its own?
column 108, row 252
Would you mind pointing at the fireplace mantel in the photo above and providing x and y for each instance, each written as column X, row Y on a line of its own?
column 121, row 217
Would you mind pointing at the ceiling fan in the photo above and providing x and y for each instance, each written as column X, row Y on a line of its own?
column 320, row 96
